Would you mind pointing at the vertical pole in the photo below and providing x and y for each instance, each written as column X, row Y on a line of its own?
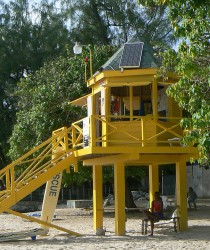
column 142, row 132
column 131, row 102
column 85, row 71
column 181, row 193
column 154, row 99
column 97, row 197
column 93, row 129
column 105, row 111
column 91, row 63
column 119, row 191
column 153, row 181
column 73, row 136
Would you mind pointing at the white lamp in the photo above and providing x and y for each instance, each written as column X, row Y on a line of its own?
column 78, row 50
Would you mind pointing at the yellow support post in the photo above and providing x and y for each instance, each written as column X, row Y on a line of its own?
column 119, row 191
column 92, row 131
column 153, row 181
column 105, row 109
column 181, row 193
column 154, row 99
column 97, row 198
column 142, row 132
column 131, row 102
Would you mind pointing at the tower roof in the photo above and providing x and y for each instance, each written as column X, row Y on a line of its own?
column 148, row 59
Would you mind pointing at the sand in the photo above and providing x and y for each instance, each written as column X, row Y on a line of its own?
column 80, row 220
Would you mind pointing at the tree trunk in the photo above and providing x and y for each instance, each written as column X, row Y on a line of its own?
column 129, row 203
column 2, row 158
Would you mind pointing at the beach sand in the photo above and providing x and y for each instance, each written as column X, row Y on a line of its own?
column 81, row 221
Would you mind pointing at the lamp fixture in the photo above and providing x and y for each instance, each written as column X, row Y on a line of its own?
column 78, row 50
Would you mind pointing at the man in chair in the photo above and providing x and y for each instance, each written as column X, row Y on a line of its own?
column 156, row 213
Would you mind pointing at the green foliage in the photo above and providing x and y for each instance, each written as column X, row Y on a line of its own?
column 84, row 174
column 131, row 171
column 31, row 34
column 28, row 37
column 190, row 21
column 43, row 99
column 116, row 21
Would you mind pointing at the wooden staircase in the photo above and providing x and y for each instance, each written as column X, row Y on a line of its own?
column 35, row 168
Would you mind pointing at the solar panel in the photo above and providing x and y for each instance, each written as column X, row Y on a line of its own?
column 131, row 56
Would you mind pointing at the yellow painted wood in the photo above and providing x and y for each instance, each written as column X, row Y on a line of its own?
column 168, row 130
column 149, row 158
column 130, row 140
column 46, row 224
column 106, row 103
column 169, row 106
column 142, row 132
column 119, row 191
column 92, row 131
column 154, row 98
column 137, row 158
column 34, row 183
column 130, row 82
column 141, row 150
column 126, row 73
column 181, row 193
column 153, row 180
column 176, row 110
column 124, row 132
column 132, row 73
column 108, row 160
column 97, row 197
column 149, row 130
column 131, row 102
column 132, row 159
column 96, row 88
column 75, row 164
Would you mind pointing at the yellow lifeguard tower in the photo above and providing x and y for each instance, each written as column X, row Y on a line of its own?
column 130, row 121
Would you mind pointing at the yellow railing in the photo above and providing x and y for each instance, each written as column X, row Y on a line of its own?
column 135, row 130
column 97, row 130
column 75, row 135
column 37, row 161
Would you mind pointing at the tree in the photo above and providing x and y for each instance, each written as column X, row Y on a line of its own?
column 28, row 37
column 190, row 22
column 43, row 95
column 114, row 22
column 43, row 98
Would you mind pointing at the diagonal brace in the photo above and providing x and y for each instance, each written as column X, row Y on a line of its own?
column 41, row 222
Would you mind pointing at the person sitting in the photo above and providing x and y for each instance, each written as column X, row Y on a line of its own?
column 156, row 213
column 191, row 197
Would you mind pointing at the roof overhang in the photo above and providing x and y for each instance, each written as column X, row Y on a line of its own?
column 82, row 101
column 133, row 77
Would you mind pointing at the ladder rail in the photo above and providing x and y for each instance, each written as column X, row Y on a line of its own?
column 35, row 162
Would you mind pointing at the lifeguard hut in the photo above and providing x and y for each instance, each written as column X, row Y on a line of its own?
column 131, row 121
